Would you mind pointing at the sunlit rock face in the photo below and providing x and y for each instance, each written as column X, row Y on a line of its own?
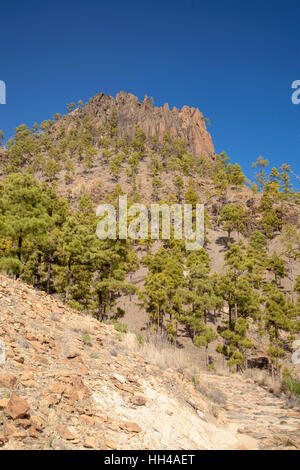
column 186, row 123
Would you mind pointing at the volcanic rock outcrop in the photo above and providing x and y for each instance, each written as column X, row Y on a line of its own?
column 186, row 123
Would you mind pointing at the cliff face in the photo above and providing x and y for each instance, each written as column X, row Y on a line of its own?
column 186, row 123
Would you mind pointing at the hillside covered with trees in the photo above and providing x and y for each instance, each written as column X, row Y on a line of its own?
column 240, row 290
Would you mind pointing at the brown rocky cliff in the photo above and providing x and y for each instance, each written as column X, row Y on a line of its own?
column 186, row 123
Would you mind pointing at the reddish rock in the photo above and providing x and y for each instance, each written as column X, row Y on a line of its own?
column 87, row 419
column 17, row 407
column 76, row 391
column 37, row 422
column 24, row 423
column 65, row 433
column 8, row 381
column 3, row 439
column 57, row 388
column 186, row 123
column 138, row 401
column 123, row 387
column 131, row 427
column 110, row 444
column 90, row 443
column 3, row 403
column 12, row 432
column 19, row 359
column 33, row 432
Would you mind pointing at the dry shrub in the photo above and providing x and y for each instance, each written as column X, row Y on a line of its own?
column 77, row 326
column 157, row 350
column 213, row 394
column 263, row 378
column 259, row 376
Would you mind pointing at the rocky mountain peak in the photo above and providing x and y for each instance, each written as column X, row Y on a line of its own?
column 186, row 123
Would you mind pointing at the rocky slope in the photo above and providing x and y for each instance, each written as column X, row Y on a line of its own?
column 69, row 382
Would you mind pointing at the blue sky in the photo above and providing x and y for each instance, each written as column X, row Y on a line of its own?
column 234, row 59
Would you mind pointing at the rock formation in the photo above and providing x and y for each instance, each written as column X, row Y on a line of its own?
column 186, row 123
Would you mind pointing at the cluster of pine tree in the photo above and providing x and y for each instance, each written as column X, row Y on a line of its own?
column 56, row 249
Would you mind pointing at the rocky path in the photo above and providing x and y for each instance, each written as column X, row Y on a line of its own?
column 253, row 411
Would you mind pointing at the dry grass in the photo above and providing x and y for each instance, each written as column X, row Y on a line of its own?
column 158, row 351
column 215, row 395
column 263, row 378
column 83, row 328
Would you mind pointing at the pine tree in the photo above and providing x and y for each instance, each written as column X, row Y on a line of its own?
column 233, row 217
column 285, row 179
column 179, row 185
column 160, row 296
column 291, row 243
column 276, row 266
column 112, row 261
column 261, row 177
column 271, row 218
column 200, row 299
column 23, row 213
column 1, row 138
column 238, row 344
column 279, row 316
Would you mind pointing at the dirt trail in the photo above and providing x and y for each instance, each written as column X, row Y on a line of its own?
column 254, row 411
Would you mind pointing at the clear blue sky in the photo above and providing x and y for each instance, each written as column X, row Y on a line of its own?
column 234, row 59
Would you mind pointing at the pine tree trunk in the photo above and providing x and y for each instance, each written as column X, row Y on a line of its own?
column 230, row 316
column 38, row 276
column 228, row 238
column 130, row 293
column 48, row 277
column 68, row 280
column 20, row 241
column 276, row 342
column 235, row 303
column 49, row 273
column 100, row 312
column 109, row 305
column 292, row 281
column 235, row 311
column 273, row 378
